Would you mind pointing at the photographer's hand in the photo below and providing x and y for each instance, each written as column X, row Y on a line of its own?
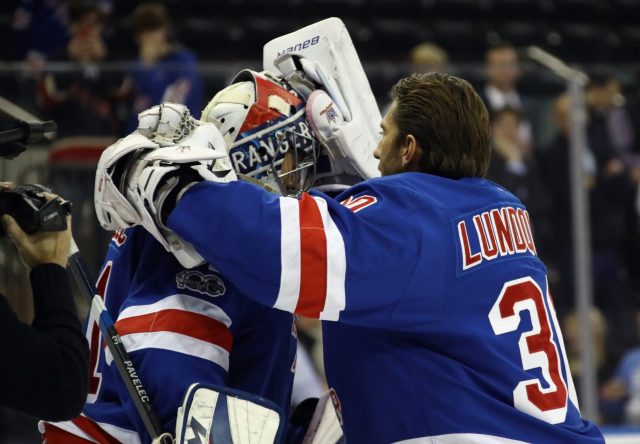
column 40, row 248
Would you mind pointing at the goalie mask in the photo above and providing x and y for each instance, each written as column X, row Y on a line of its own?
column 265, row 127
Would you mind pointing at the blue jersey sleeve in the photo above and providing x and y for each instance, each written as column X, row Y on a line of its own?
column 179, row 327
column 173, row 341
column 313, row 256
column 175, row 336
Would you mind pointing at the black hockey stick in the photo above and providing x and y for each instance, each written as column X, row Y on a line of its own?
column 120, row 356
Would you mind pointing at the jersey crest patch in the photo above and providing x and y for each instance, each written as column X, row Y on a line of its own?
column 209, row 284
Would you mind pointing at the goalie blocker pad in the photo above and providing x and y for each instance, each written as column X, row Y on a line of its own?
column 211, row 413
column 328, row 43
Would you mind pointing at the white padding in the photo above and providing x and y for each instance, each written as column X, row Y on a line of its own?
column 246, row 418
column 327, row 44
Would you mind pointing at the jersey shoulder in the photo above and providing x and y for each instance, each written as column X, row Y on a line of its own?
column 419, row 190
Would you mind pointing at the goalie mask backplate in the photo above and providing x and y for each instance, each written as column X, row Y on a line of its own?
column 328, row 43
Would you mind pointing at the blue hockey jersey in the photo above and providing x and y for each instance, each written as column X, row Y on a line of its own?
column 179, row 326
column 439, row 323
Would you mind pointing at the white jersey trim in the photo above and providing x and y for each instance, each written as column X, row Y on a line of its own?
column 289, row 255
column 175, row 342
column 122, row 435
column 178, row 302
column 335, row 300
column 461, row 438
column 69, row 427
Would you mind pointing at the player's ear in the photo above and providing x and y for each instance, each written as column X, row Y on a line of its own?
column 411, row 153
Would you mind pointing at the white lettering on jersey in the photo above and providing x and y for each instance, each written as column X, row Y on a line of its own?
column 497, row 233
column 359, row 203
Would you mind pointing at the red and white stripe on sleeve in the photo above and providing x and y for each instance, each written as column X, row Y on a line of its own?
column 87, row 431
column 180, row 323
column 313, row 260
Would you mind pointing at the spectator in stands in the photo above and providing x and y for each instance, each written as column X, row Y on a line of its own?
column 633, row 110
column 620, row 395
column 82, row 99
column 513, row 167
column 610, row 131
column 428, row 57
column 165, row 71
column 85, row 101
column 611, row 122
column 609, row 203
column 41, row 28
column 610, row 134
column 502, row 71
column 572, row 335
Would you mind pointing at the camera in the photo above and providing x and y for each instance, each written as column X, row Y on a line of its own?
column 32, row 212
column 26, row 203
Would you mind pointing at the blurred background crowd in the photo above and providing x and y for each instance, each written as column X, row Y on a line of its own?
column 92, row 65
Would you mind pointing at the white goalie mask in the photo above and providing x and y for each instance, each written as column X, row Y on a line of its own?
column 265, row 127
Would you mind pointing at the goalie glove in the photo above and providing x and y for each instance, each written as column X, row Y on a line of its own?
column 139, row 183
column 113, row 209
column 166, row 124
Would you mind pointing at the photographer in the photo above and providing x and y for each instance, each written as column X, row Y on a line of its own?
column 43, row 367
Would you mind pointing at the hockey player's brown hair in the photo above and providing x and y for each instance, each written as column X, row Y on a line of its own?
column 449, row 121
column 149, row 17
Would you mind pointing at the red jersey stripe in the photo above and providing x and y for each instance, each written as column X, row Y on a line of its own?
column 313, row 263
column 54, row 435
column 94, row 430
column 179, row 321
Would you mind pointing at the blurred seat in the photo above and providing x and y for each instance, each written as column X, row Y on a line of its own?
column 582, row 41
column 5, row 36
column 398, row 9
column 120, row 41
column 8, row 7
column 78, row 151
column 260, row 30
column 381, row 79
column 212, row 82
column 458, row 9
column 516, row 9
column 207, row 8
column 328, row 8
column 362, row 37
column 393, row 39
column 625, row 11
column 212, row 39
column 629, row 43
column 589, row 11
column 464, row 40
column 540, row 82
column 521, row 33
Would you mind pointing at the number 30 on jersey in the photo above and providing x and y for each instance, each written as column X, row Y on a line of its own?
column 538, row 349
